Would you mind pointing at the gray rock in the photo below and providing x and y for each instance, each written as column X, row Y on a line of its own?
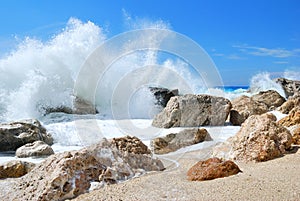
column 193, row 111
column 175, row 141
column 36, row 149
column 66, row 175
column 16, row 134
column 290, row 87
column 243, row 107
column 163, row 95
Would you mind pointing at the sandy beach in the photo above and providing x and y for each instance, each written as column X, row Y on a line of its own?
column 276, row 179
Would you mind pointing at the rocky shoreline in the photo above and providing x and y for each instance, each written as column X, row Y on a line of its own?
column 101, row 167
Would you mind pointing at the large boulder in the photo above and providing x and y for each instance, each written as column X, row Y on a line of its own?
column 290, row 87
column 35, row 149
column 243, row 107
column 69, row 174
column 259, row 139
column 212, row 168
column 293, row 118
column 193, row 111
column 175, row 141
column 16, row 134
column 15, row 168
column 163, row 95
column 271, row 98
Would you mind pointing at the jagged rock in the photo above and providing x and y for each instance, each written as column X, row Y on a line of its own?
column 193, row 111
column 212, row 168
column 37, row 148
column 295, row 131
column 131, row 144
column 175, row 141
column 290, row 104
column 290, row 87
column 163, row 95
column 243, row 107
column 15, row 168
column 16, row 134
column 69, row 174
column 292, row 119
column 271, row 98
column 259, row 139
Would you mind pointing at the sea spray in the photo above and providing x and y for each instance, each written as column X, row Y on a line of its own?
column 263, row 82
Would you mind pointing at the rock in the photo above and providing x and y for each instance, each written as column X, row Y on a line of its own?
column 163, row 95
column 193, row 111
column 295, row 131
column 259, row 139
column 243, row 107
column 292, row 119
column 271, row 98
column 69, row 174
column 16, row 134
column 131, row 145
column 212, row 168
column 175, row 141
column 290, row 104
column 15, row 168
column 290, row 87
column 82, row 106
column 37, row 148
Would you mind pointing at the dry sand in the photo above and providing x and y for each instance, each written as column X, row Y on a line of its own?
column 277, row 179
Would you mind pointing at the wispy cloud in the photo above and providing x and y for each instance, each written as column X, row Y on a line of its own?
column 262, row 51
column 280, row 62
column 235, row 57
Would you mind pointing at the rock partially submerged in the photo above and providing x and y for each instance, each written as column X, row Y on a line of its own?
column 212, row 168
column 193, row 111
column 259, row 139
column 290, row 87
column 69, row 174
column 16, row 134
column 15, row 168
column 163, row 95
column 35, row 149
column 175, row 141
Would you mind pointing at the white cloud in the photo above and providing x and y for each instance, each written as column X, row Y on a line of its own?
column 235, row 57
column 280, row 62
column 262, row 51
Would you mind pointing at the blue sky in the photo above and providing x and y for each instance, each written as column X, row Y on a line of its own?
column 242, row 37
